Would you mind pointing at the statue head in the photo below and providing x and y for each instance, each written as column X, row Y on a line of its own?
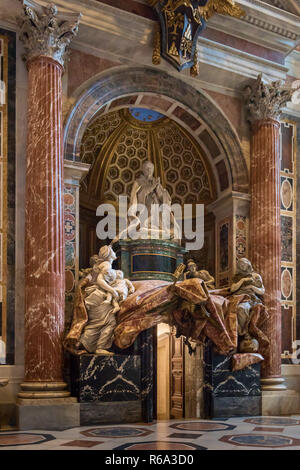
column 191, row 265
column 106, row 253
column 244, row 266
column 148, row 168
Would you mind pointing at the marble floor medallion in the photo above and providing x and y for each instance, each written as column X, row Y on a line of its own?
column 206, row 426
column 273, row 421
column 160, row 445
column 22, row 439
column 260, row 440
column 117, row 432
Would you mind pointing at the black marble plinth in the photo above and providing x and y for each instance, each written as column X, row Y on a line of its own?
column 144, row 260
column 229, row 393
column 96, row 413
column 100, row 378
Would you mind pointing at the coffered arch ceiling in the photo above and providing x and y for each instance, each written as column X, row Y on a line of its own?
column 116, row 145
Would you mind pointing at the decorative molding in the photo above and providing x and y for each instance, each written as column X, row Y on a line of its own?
column 45, row 32
column 74, row 172
column 182, row 22
column 266, row 100
column 130, row 42
column 263, row 24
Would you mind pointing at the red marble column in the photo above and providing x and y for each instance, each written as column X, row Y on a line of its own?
column 264, row 101
column 46, row 35
column 265, row 238
column 44, row 233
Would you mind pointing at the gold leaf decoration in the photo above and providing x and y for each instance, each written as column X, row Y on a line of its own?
column 223, row 7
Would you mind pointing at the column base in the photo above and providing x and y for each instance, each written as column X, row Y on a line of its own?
column 48, row 414
column 43, row 390
column 280, row 403
column 273, row 384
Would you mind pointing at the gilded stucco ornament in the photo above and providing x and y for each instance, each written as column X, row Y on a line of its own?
column 46, row 32
column 181, row 22
column 265, row 100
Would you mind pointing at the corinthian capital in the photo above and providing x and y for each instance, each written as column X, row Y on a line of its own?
column 266, row 100
column 45, row 32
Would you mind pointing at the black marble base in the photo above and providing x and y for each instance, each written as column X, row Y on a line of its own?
column 99, row 378
column 228, row 407
column 96, row 413
column 229, row 393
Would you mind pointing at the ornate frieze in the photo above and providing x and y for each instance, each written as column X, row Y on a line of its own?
column 181, row 23
column 266, row 100
column 45, row 32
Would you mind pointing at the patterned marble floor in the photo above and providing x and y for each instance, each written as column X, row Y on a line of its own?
column 268, row 433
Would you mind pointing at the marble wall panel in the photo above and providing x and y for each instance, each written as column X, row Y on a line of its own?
column 288, row 197
column 223, row 175
column 241, row 236
column 210, row 143
column 7, row 190
column 71, row 256
column 83, row 66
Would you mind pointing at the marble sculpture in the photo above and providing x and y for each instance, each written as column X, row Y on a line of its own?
column 111, row 309
column 145, row 219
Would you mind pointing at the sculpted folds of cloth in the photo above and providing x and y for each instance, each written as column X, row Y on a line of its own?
column 196, row 311
column 248, row 282
column 99, row 296
column 150, row 214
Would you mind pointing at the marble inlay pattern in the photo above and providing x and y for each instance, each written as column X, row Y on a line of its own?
column 83, row 444
column 115, row 432
column 21, row 439
column 288, row 212
column 261, row 440
column 241, row 236
column 270, row 421
column 207, row 426
column 224, row 250
column 160, row 445
column 236, row 434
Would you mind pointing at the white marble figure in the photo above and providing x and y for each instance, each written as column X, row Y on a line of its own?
column 97, row 336
column 123, row 287
column 246, row 281
column 106, row 290
column 145, row 220
column 192, row 272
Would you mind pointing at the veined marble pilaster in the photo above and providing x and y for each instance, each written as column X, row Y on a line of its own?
column 74, row 172
column 264, row 102
column 45, row 34
column 232, row 234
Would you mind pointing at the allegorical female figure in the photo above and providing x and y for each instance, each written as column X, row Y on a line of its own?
column 99, row 294
column 246, row 281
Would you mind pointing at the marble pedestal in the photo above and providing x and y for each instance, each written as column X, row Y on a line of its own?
column 144, row 260
column 52, row 414
column 228, row 394
column 108, row 388
column 280, row 403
